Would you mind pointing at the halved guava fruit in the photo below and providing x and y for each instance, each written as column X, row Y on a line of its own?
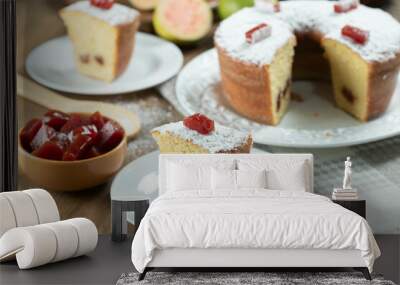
column 183, row 21
column 144, row 5
column 229, row 7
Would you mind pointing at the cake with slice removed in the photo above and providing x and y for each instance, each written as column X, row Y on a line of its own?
column 361, row 46
column 199, row 134
column 102, row 33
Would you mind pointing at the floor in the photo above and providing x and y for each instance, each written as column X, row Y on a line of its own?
column 103, row 266
column 110, row 260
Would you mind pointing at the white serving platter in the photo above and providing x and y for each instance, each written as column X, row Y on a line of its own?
column 154, row 61
column 313, row 123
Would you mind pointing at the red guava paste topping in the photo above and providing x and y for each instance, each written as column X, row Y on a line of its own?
column 98, row 120
column 29, row 132
column 258, row 33
column 79, row 146
column 345, row 6
column 44, row 134
column 200, row 123
column 75, row 121
column 357, row 35
column 49, row 150
column 88, row 130
column 55, row 119
column 102, row 4
column 111, row 135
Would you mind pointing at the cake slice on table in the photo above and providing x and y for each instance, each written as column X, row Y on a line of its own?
column 102, row 33
column 199, row 134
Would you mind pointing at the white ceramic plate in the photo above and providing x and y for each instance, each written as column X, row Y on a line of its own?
column 314, row 123
column 138, row 180
column 154, row 61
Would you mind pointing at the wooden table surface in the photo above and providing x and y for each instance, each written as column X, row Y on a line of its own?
column 37, row 22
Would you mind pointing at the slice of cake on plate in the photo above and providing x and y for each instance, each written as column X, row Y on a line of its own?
column 103, row 35
column 199, row 134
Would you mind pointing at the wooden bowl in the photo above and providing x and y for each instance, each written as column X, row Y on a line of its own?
column 76, row 175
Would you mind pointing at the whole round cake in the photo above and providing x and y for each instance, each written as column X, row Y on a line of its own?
column 357, row 46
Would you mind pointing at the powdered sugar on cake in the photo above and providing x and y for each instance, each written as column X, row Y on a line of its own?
column 117, row 15
column 384, row 33
column 231, row 36
column 299, row 16
column 221, row 139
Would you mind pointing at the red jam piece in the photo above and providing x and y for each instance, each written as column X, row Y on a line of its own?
column 102, row 4
column 62, row 140
column 78, row 148
column 345, row 6
column 28, row 133
column 74, row 122
column 44, row 134
column 111, row 135
column 49, row 150
column 98, row 120
column 55, row 119
column 200, row 123
column 88, row 130
column 357, row 35
column 258, row 33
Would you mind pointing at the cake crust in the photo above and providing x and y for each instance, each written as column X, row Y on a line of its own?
column 382, row 84
column 245, row 87
column 125, row 45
